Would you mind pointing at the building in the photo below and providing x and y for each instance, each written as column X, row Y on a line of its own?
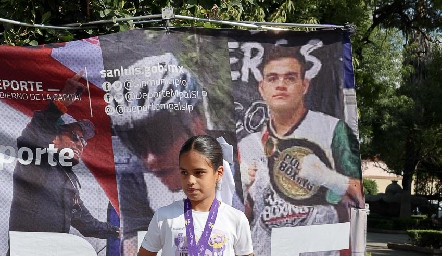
column 379, row 172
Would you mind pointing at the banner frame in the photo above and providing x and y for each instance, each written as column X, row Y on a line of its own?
column 167, row 14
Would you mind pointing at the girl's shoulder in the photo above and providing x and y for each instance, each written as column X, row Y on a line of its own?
column 231, row 211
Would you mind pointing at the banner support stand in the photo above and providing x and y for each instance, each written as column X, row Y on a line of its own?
column 167, row 14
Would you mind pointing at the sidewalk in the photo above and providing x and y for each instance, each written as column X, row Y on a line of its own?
column 377, row 244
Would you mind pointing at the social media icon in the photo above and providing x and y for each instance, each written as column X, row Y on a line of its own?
column 106, row 86
column 108, row 98
column 109, row 110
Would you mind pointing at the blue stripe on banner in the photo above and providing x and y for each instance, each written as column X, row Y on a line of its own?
column 349, row 75
column 113, row 244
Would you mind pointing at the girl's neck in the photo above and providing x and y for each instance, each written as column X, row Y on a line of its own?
column 203, row 205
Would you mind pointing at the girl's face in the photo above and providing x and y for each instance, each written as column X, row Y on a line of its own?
column 198, row 178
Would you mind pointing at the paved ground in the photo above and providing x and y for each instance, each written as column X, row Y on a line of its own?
column 377, row 244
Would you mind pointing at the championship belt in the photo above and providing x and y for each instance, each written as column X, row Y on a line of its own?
column 290, row 200
column 284, row 156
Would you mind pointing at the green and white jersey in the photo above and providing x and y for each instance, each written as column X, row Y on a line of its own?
column 279, row 196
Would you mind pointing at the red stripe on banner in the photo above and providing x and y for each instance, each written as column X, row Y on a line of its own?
column 37, row 70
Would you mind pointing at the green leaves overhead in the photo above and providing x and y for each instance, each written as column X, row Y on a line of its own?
column 59, row 13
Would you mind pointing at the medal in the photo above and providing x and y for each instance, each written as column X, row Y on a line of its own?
column 198, row 249
column 270, row 143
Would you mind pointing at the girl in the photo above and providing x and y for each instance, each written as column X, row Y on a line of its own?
column 200, row 224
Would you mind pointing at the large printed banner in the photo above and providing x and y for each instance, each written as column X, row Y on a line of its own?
column 91, row 131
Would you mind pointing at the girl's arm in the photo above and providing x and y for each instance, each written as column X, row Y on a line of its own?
column 144, row 252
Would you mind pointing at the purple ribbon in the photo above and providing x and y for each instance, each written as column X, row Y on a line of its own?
column 200, row 248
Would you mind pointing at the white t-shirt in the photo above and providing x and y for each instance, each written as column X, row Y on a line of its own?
column 230, row 234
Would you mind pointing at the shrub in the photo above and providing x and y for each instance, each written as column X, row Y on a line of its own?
column 380, row 224
column 404, row 223
column 370, row 186
column 426, row 223
column 426, row 238
column 393, row 223
column 419, row 217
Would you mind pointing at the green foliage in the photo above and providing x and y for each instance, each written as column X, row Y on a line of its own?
column 419, row 217
column 378, row 77
column 406, row 118
column 405, row 223
column 399, row 122
column 57, row 13
column 386, row 224
column 426, row 238
column 394, row 223
column 370, row 186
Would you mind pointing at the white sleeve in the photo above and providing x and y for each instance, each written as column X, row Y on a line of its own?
column 152, row 239
column 315, row 171
column 243, row 244
column 227, row 185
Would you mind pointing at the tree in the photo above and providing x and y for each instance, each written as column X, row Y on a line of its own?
column 370, row 186
column 405, row 127
column 58, row 13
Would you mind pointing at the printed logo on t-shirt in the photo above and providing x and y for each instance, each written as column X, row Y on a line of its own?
column 217, row 244
column 278, row 213
column 181, row 244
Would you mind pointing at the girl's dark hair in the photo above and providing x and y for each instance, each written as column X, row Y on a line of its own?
column 207, row 146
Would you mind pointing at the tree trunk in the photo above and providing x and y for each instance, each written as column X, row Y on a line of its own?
column 407, row 177
column 405, row 211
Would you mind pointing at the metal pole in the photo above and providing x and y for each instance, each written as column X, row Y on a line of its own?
column 246, row 24
column 231, row 23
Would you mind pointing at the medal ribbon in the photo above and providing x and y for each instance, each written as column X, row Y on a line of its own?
column 200, row 248
column 269, row 141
